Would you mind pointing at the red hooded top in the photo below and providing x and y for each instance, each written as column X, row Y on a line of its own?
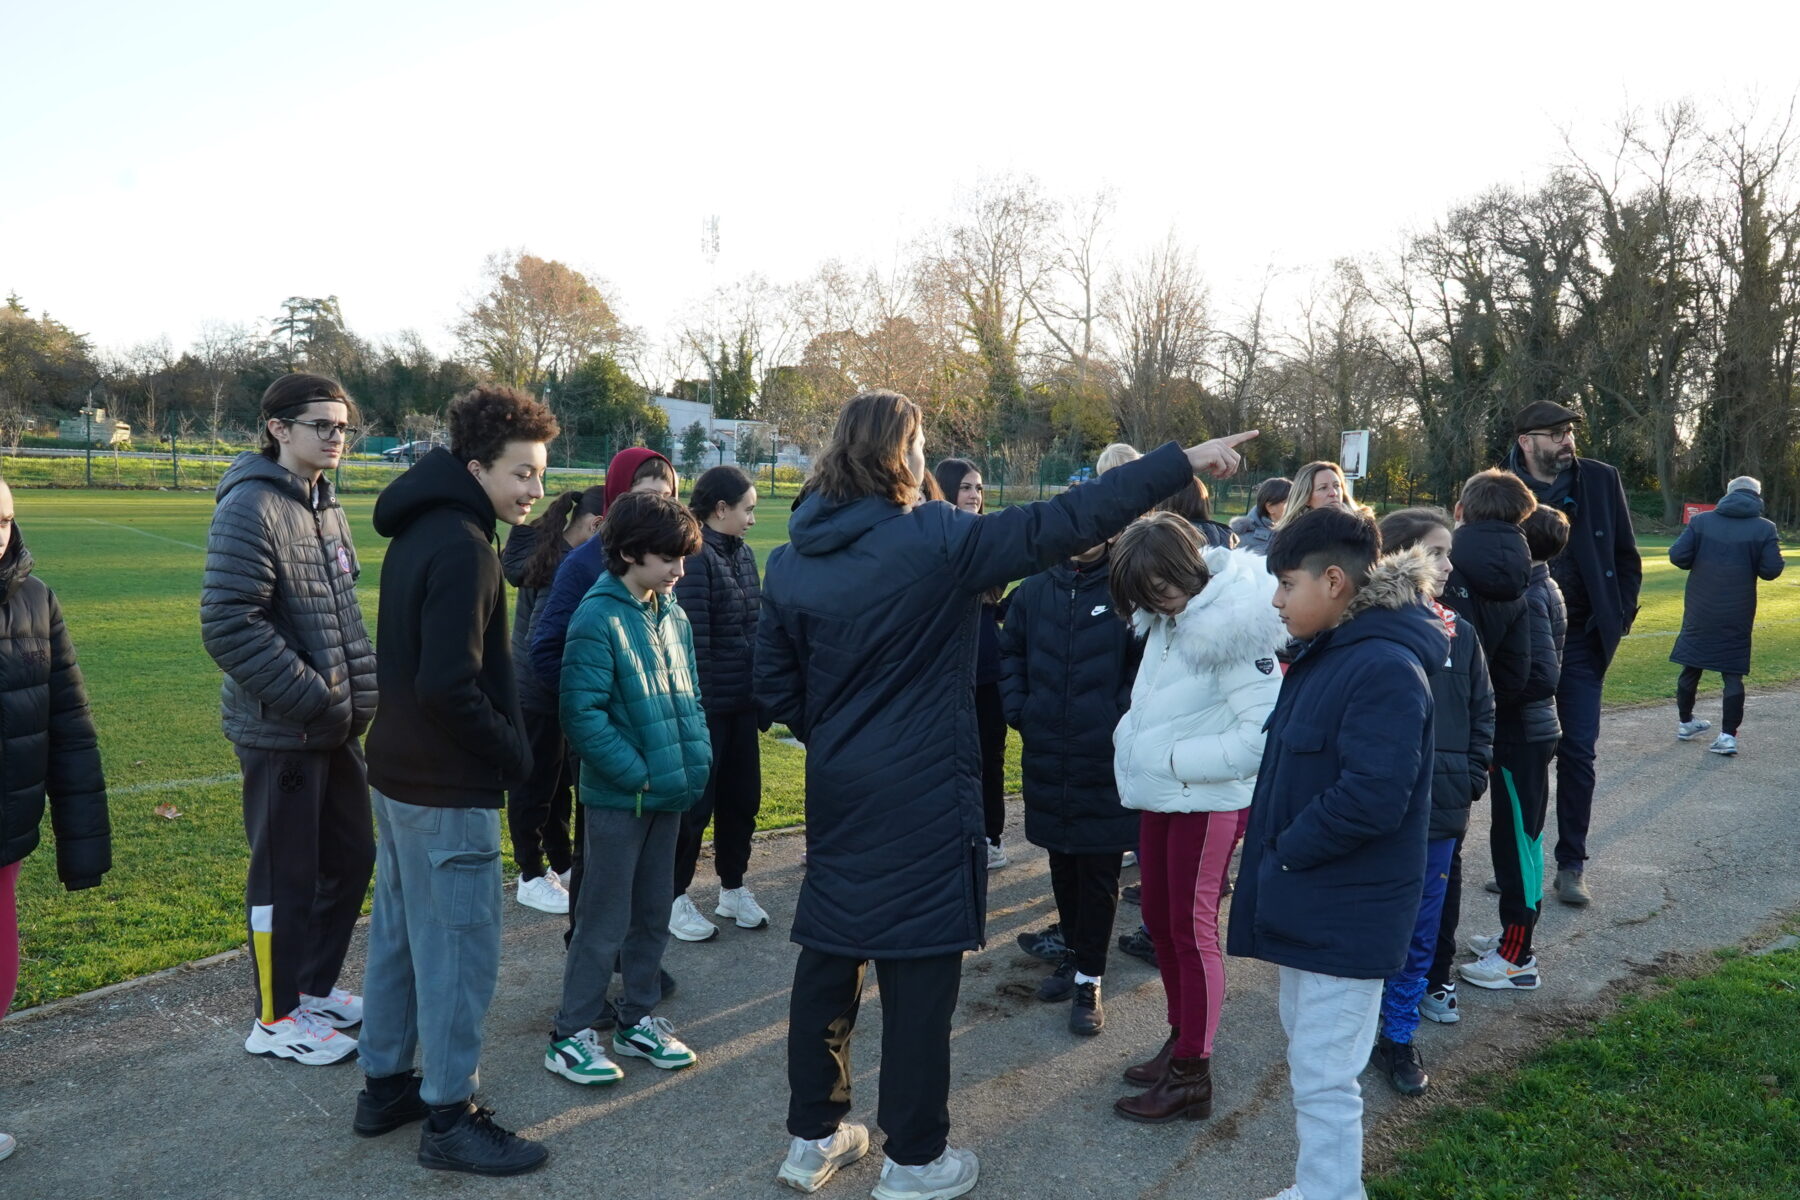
column 624, row 467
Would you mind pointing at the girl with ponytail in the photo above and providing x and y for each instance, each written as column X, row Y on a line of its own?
column 538, row 813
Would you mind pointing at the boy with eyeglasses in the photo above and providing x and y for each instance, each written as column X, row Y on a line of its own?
column 278, row 613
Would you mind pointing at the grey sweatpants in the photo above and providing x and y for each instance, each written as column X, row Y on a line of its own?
column 621, row 915
column 434, row 944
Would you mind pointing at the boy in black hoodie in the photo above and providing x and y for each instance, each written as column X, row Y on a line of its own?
column 447, row 742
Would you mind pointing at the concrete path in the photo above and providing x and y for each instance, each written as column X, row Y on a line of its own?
column 147, row 1092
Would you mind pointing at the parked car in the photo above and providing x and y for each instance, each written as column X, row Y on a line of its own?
column 408, row 451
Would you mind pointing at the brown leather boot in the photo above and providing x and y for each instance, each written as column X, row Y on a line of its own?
column 1185, row 1091
column 1147, row 1073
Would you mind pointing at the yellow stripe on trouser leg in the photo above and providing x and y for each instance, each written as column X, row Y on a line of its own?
column 262, row 929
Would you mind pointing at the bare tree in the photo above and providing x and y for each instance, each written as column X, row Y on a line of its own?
column 1159, row 322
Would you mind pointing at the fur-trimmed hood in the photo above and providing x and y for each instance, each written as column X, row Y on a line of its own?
column 1395, row 581
column 1231, row 620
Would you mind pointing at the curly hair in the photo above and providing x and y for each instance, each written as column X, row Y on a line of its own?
column 488, row 416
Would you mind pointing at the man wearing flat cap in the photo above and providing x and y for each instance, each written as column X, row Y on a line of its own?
column 1600, row 574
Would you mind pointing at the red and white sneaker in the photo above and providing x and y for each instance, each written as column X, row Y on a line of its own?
column 303, row 1037
column 340, row 1010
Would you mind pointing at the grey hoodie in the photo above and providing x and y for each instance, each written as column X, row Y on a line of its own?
column 278, row 612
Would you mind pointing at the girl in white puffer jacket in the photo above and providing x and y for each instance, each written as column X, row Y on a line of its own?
column 1186, row 755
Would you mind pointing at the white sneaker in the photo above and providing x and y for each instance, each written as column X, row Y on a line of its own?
column 997, row 856
column 303, row 1037
column 8, row 1143
column 340, row 1010
column 1492, row 971
column 1130, row 859
column 1725, row 744
column 810, row 1165
column 740, row 904
column 1288, row 1193
column 1481, row 943
column 952, row 1173
column 545, row 893
column 686, row 923
column 1688, row 730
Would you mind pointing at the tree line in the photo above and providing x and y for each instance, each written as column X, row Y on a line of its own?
column 1653, row 285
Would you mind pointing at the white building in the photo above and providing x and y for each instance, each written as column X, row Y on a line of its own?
column 725, row 431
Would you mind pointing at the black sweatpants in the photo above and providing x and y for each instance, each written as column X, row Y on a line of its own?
column 1086, row 887
column 1519, row 798
column 1445, row 955
column 918, row 996
column 990, row 723
column 1687, row 686
column 538, row 811
column 312, row 853
column 731, row 801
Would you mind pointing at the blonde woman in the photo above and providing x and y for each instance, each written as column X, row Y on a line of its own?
column 1316, row 485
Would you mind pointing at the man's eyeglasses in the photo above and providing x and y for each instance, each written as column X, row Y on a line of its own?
column 1564, row 434
column 327, row 429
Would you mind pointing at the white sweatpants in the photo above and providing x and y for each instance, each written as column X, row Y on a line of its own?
column 1330, row 1025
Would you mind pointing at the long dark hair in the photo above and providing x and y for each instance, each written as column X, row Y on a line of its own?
column 950, row 473
column 723, row 484
column 867, row 452
column 551, row 546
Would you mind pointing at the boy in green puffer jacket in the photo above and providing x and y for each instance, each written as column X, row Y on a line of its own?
column 631, row 711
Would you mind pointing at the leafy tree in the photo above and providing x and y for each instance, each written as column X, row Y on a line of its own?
column 694, row 448
column 600, row 399
column 537, row 318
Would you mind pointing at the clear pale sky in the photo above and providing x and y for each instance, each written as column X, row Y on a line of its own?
column 162, row 165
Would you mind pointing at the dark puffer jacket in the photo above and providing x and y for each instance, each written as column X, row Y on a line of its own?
column 48, row 750
column 450, row 731
column 1535, row 720
column 1334, row 859
column 1462, row 730
column 1724, row 552
column 1491, row 568
column 278, row 612
column 866, row 650
column 722, row 596
column 521, row 543
column 1066, row 666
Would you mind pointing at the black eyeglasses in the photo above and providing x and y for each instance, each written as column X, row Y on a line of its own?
column 327, row 429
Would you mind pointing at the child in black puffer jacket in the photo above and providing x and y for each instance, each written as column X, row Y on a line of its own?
column 1463, row 728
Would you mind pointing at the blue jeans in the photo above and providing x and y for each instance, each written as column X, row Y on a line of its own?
column 434, row 945
column 1578, row 708
column 1400, row 998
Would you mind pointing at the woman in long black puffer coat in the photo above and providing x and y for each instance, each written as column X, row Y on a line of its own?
column 49, row 756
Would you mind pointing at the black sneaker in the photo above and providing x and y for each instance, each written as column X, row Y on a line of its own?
column 1085, row 1015
column 476, row 1145
column 1400, row 1062
column 1132, row 893
column 1047, row 945
column 376, row 1115
column 1060, row 983
column 1137, row 943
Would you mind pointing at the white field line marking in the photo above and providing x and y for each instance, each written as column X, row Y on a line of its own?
column 159, row 537
column 172, row 785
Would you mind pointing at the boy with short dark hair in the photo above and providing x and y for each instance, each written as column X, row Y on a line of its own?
column 631, row 711
column 1334, row 860
column 447, row 742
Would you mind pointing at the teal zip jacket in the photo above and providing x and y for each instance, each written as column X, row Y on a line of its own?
column 631, row 702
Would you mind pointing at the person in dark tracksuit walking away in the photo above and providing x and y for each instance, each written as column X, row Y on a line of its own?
column 1725, row 552
column 539, row 811
column 1525, row 738
column 869, row 622
column 721, row 595
column 49, row 753
column 1463, row 744
column 1600, row 576
column 447, row 743
column 278, row 614
column 631, row 708
column 1066, row 666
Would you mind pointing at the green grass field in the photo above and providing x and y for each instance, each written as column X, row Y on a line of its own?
column 126, row 566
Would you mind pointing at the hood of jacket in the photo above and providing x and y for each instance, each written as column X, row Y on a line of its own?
column 15, row 564
column 1739, row 504
column 1492, row 557
column 611, row 589
column 1070, row 574
column 622, row 468
column 253, row 464
column 434, row 482
column 1231, row 620
column 822, row 526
